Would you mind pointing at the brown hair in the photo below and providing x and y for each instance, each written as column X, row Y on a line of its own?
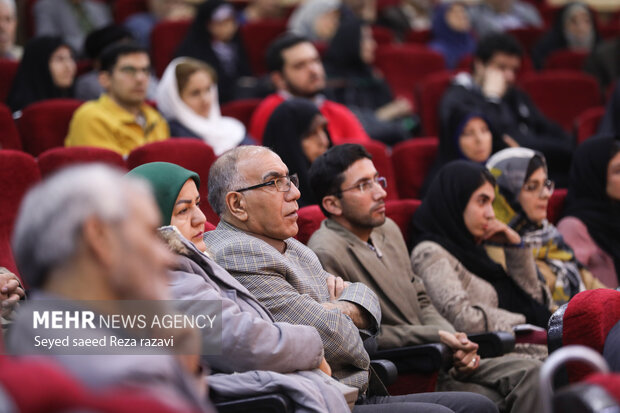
column 186, row 69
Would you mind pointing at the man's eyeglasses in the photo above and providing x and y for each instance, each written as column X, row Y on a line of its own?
column 282, row 184
column 133, row 71
column 548, row 184
column 367, row 185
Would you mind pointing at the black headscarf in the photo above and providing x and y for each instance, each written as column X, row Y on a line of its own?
column 198, row 44
column 286, row 128
column 555, row 38
column 587, row 196
column 342, row 58
column 440, row 219
column 33, row 81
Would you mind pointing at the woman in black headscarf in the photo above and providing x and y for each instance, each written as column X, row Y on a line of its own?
column 297, row 132
column 354, row 83
column 592, row 223
column 468, row 135
column 470, row 290
column 214, row 38
column 574, row 28
column 46, row 71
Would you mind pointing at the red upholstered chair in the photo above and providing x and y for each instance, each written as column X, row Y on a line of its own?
column 430, row 91
column 556, row 205
column 401, row 211
column 309, row 219
column 192, row 154
column 241, row 110
column 562, row 95
column 585, row 320
column 587, row 123
column 57, row 158
column 404, row 66
column 566, row 60
column 382, row 35
column 9, row 138
column 256, row 37
column 125, row 8
column 44, row 125
column 412, row 160
column 18, row 172
column 418, row 36
column 527, row 37
column 381, row 159
column 8, row 69
column 165, row 38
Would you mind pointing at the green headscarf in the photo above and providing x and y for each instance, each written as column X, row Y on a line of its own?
column 166, row 179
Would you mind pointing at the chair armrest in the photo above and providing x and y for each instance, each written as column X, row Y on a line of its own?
column 493, row 344
column 424, row 358
column 583, row 398
column 386, row 370
column 272, row 403
column 555, row 329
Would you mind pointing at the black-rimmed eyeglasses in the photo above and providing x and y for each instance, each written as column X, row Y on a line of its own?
column 282, row 184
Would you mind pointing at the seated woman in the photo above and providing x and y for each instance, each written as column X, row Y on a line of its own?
column 468, row 135
column 452, row 34
column 353, row 82
column 524, row 192
column 46, row 71
column 187, row 97
column 470, row 290
column 298, row 133
column 214, row 38
column 574, row 28
column 591, row 223
column 316, row 20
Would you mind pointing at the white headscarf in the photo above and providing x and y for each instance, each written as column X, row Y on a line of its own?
column 221, row 133
column 303, row 18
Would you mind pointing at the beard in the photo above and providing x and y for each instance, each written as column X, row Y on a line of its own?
column 297, row 92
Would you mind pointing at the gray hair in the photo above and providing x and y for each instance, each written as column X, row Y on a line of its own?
column 48, row 227
column 11, row 4
column 224, row 176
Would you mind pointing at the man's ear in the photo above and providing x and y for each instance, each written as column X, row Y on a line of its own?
column 278, row 80
column 99, row 239
column 332, row 204
column 104, row 79
column 236, row 205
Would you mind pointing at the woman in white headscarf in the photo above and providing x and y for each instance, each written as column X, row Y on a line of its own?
column 187, row 96
column 316, row 19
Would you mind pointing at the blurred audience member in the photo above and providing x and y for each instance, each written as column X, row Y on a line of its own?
column 604, row 62
column 141, row 24
column 316, row 20
column 452, row 36
column 573, row 28
column 187, row 97
column 406, row 15
column 354, row 83
column 119, row 120
column 214, row 38
column 46, row 71
column 591, row 223
column 610, row 124
column 8, row 27
column 259, row 10
column 500, row 15
column 70, row 19
column 297, row 132
column 521, row 202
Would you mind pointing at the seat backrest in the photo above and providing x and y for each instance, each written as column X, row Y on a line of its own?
column 309, row 219
column 241, row 109
column 256, row 38
column 18, row 172
column 9, row 138
column 165, row 39
column 383, row 163
column 8, row 69
column 125, row 8
column 54, row 159
column 382, row 35
column 418, row 36
column 527, row 37
column 562, row 94
column 192, row 154
column 44, row 125
column 412, row 161
column 404, row 66
column 587, row 123
column 556, row 205
column 401, row 211
column 430, row 91
column 566, row 59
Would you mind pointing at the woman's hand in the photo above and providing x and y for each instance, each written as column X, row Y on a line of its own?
column 500, row 233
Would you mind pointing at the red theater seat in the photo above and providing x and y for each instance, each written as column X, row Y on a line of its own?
column 44, row 125
column 9, row 138
column 241, row 110
column 412, row 160
column 54, row 159
column 381, row 159
column 566, row 60
column 556, row 205
column 256, row 38
column 587, row 122
column 430, row 91
column 192, row 154
column 125, row 8
column 8, row 69
column 165, row 39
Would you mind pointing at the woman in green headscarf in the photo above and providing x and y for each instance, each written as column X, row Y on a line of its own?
column 524, row 192
column 176, row 192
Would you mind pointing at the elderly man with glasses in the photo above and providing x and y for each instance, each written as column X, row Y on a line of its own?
column 250, row 188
